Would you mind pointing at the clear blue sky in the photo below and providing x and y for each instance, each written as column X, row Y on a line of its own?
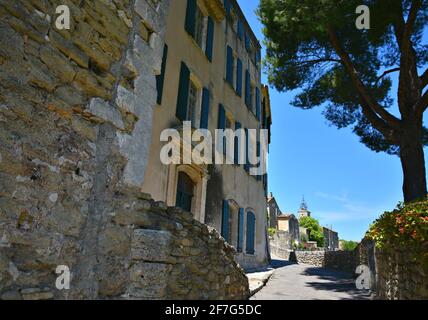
column 345, row 184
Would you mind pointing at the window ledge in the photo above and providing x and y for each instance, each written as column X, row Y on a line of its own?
column 250, row 254
column 198, row 46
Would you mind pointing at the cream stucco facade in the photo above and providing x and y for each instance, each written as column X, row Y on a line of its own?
column 213, row 185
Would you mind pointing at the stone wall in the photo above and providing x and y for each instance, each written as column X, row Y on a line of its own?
column 280, row 244
column 75, row 131
column 400, row 277
column 395, row 272
column 343, row 261
column 313, row 258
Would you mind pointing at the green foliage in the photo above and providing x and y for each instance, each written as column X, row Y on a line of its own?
column 271, row 231
column 404, row 228
column 314, row 230
column 300, row 55
column 348, row 245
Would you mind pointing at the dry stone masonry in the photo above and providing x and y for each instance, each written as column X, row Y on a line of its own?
column 75, row 131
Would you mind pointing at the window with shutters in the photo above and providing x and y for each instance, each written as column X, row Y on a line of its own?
column 185, row 187
column 199, row 27
column 192, row 103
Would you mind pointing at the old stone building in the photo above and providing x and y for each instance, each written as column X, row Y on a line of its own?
column 290, row 224
column 331, row 239
column 273, row 211
column 76, row 113
column 211, row 78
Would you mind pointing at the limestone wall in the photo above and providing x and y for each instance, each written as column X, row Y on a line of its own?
column 399, row 276
column 75, row 131
column 343, row 261
column 280, row 244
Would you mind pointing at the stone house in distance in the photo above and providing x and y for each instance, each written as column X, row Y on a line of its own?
column 290, row 224
column 211, row 76
column 273, row 211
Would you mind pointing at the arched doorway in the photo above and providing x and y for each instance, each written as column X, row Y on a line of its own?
column 185, row 192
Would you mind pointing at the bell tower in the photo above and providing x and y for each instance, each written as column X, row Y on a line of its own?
column 303, row 211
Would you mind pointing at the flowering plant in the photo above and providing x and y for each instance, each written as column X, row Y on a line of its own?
column 404, row 228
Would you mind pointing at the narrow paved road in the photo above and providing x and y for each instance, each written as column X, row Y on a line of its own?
column 304, row 282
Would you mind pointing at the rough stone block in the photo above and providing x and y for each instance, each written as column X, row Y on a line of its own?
column 151, row 245
column 149, row 280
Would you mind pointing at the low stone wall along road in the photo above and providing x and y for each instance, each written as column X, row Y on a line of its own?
column 304, row 282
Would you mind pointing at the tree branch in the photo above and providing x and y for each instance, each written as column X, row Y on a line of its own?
column 408, row 92
column 378, row 123
column 387, row 72
column 424, row 79
column 315, row 61
column 416, row 5
column 422, row 104
column 369, row 101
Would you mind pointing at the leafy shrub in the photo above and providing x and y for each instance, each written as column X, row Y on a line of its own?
column 271, row 232
column 314, row 230
column 404, row 228
column 348, row 245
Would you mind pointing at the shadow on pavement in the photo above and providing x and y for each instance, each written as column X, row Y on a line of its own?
column 337, row 282
column 277, row 263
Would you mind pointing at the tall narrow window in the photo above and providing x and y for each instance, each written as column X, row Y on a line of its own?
column 185, row 188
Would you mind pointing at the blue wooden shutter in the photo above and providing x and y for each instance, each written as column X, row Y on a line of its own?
column 239, row 77
column 190, row 23
column 227, row 7
column 240, row 230
column 225, row 221
column 210, row 39
column 247, row 89
column 229, row 66
column 240, row 30
column 251, row 230
column 247, row 41
column 183, row 92
column 247, row 150
column 237, row 146
column 160, row 79
column 205, row 112
column 259, row 177
column 221, row 117
column 258, row 103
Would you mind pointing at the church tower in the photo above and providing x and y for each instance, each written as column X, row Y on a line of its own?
column 303, row 211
